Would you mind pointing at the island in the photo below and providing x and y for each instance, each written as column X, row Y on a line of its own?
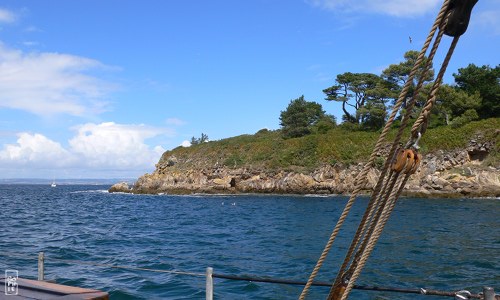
column 457, row 162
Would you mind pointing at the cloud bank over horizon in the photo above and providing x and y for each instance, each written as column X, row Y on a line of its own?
column 50, row 85
column 117, row 148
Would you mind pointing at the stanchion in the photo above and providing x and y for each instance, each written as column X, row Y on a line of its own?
column 40, row 266
column 210, row 284
column 489, row 293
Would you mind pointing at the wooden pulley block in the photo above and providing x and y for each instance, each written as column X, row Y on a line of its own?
column 400, row 161
column 417, row 159
column 406, row 161
column 337, row 292
column 410, row 160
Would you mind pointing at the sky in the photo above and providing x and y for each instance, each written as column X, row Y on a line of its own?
column 100, row 89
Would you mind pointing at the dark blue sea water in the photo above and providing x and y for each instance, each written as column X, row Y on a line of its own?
column 432, row 243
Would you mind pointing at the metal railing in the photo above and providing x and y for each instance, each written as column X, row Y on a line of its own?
column 488, row 293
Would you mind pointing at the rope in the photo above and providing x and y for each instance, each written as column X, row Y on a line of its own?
column 18, row 255
column 420, row 291
column 421, row 123
column 381, row 183
column 367, row 228
column 378, row 223
column 70, row 261
column 376, row 234
column 80, row 262
column 361, row 179
column 385, row 194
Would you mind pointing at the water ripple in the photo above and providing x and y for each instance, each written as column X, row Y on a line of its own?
column 439, row 244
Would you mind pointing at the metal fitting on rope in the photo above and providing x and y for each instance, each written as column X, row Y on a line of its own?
column 462, row 295
column 339, row 290
column 459, row 16
column 415, row 144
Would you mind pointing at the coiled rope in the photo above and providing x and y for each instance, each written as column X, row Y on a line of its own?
column 390, row 184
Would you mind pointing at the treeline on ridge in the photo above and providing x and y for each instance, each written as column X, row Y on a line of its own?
column 310, row 137
column 367, row 98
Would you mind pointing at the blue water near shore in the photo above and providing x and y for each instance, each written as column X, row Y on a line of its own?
column 444, row 244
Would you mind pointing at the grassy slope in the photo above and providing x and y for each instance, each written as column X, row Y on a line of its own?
column 268, row 150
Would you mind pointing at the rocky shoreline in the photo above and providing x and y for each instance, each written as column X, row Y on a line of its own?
column 457, row 174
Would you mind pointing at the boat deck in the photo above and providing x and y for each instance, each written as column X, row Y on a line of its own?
column 34, row 289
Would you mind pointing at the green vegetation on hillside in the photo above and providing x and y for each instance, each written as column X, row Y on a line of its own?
column 309, row 138
column 302, row 117
column 268, row 150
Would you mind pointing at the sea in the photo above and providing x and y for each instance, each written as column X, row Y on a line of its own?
column 86, row 233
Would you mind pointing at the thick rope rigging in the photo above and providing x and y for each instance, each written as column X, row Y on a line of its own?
column 384, row 205
column 400, row 161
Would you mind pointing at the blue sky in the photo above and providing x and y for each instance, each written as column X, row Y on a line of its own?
column 99, row 89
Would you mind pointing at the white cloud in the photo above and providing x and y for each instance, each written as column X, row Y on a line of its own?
column 95, row 147
column 35, row 150
column 6, row 16
column 186, row 144
column 398, row 8
column 48, row 84
column 116, row 145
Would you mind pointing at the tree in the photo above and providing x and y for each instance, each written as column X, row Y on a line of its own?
column 202, row 139
column 325, row 123
column 299, row 117
column 373, row 114
column 398, row 74
column 467, row 117
column 354, row 90
column 486, row 81
column 453, row 103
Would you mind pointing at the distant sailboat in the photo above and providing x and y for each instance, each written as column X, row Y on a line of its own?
column 53, row 184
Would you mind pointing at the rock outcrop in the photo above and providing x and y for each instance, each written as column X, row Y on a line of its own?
column 121, row 187
column 456, row 173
